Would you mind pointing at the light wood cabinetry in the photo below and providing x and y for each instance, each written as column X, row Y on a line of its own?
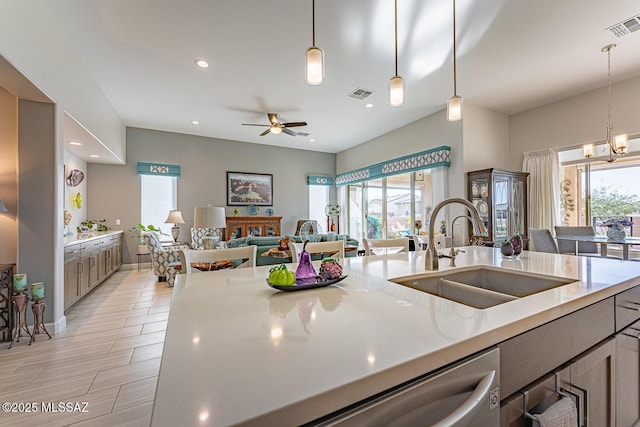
column 501, row 199
column 88, row 263
column 243, row 226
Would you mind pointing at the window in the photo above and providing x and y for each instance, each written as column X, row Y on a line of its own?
column 597, row 192
column 318, row 200
column 389, row 207
column 159, row 196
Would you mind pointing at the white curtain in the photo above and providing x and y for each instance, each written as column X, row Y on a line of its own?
column 544, row 187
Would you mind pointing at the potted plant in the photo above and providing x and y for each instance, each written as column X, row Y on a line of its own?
column 100, row 224
column 137, row 231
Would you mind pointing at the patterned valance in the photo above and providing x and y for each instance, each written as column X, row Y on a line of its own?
column 320, row 180
column 145, row 168
column 440, row 156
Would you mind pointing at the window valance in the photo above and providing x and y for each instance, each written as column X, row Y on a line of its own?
column 436, row 157
column 145, row 168
column 320, row 180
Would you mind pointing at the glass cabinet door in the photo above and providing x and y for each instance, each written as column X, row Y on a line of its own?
column 518, row 208
column 501, row 208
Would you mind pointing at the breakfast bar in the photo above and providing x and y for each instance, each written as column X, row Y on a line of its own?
column 239, row 353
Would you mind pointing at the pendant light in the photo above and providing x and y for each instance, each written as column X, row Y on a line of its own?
column 618, row 144
column 454, row 106
column 396, row 83
column 315, row 55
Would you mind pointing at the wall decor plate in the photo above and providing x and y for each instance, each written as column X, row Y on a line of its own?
column 475, row 190
column 483, row 208
column 252, row 210
column 269, row 212
column 235, row 212
column 75, row 177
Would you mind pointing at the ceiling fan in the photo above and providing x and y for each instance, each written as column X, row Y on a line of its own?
column 276, row 127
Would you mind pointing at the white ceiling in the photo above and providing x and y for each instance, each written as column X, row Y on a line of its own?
column 513, row 55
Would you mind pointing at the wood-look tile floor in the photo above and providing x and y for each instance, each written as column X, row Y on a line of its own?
column 108, row 356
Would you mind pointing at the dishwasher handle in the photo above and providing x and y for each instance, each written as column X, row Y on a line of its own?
column 469, row 405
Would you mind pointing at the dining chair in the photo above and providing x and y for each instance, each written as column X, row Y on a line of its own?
column 246, row 254
column 569, row 247
column 331, row 248
column 542, row 240
column 399, row 244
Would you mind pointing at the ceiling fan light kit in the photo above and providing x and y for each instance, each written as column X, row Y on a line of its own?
column 314, row 55
column 276, row 127
column 396, row 83
column 454, row 106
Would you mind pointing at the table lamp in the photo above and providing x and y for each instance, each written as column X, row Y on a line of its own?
column 210, row 217
column 175, row 218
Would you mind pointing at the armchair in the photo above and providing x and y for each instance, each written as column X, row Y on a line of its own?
column 162, row 257
column 196, row 237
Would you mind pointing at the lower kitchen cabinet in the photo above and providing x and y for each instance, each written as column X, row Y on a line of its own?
column 89, row 263
column 628, row 367
column 593, row 380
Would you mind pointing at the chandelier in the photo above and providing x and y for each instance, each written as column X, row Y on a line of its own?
column 617, row 144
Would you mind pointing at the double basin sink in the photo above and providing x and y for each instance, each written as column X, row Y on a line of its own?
column 482, row 286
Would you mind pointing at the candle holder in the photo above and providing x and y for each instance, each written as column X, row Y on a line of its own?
column 20, row 303
column 37, row 291
column 38, row 320
column 19, row 283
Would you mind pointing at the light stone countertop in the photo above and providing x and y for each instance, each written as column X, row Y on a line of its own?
column 85, row 237
column 238, row 351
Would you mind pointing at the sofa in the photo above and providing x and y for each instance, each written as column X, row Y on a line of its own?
column 265, row 243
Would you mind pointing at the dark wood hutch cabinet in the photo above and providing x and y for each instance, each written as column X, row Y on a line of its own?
column 501, row 198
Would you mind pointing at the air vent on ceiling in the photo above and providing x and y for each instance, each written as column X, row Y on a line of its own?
column 303, row 134
column 360, row 93
column 626, row 27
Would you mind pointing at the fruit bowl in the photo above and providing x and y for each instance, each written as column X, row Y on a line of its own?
column 317, row 284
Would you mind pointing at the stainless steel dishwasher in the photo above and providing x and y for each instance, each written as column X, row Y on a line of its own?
column 464, row 394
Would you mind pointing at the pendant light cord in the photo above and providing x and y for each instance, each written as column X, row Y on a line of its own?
column 313, row 23
column 455, row 91
column 609, row 125
column 396, row 32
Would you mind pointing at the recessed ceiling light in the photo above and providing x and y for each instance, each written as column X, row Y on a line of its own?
column 95, row 156
column 369, row 105
column 312, row 140
column 75, row 143
column 195, row 122
column 202, row 63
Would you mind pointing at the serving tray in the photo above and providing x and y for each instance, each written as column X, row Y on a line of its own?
column 318, row 284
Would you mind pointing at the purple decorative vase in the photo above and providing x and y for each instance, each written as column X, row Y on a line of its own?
column 506, row 249
column 516, row 242
column 305, row 273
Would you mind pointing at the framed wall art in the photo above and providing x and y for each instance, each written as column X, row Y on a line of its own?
column 249, row 189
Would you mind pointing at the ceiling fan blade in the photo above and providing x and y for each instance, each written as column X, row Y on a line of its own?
column 253, row 124
column 273, row 118
column 289, row 132
column 294, row 124
column 266, row 132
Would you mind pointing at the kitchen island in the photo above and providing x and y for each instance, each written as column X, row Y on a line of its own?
column 237, row 351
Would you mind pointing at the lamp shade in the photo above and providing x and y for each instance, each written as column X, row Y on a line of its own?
column 315, row 65
column 587, row 150
column 396, row 91
column 175, row 217
column 454, row 108
column 209, row 217
column 3, row 208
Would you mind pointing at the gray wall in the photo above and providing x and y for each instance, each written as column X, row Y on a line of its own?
column 115, row 190
column 38, row 250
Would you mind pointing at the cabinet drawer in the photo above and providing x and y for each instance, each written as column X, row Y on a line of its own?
column 71, row 252
column 627, row 307
column 561, row 340
column 91, row 246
